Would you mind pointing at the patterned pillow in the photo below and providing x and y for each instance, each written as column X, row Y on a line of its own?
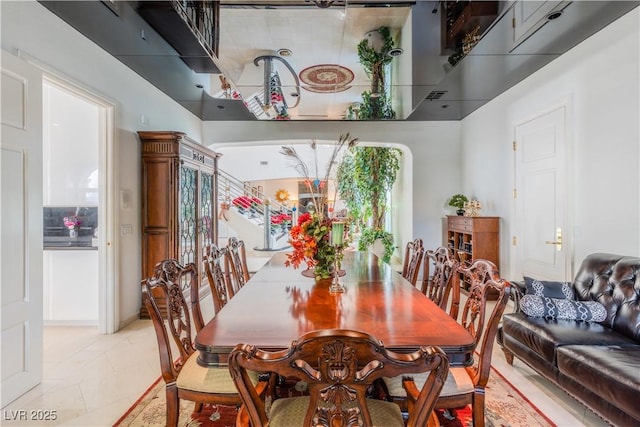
column 543, row 288
column 554, row 308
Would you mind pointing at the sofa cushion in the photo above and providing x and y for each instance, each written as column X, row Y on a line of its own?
column 585, row 311
column 545, row 288
column 544, row 336
column 611, row 372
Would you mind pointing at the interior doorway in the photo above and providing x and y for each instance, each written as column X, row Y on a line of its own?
column 543, row 244
column 77, row 260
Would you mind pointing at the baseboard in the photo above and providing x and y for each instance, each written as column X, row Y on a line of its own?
column 70, row 323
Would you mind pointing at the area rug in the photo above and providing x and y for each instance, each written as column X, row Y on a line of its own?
column 505, row 406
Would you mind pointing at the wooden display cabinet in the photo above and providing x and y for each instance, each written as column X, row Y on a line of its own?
column 473, row 238
column 179, row 202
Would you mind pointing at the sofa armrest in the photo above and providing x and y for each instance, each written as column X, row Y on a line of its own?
column 518, row 290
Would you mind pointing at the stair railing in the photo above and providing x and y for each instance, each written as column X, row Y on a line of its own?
column 231, row 188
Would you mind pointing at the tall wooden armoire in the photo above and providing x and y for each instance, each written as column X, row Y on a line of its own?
column 179, row 201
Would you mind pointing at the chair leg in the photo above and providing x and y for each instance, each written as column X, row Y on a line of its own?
column 478, row 409
column 173, row 406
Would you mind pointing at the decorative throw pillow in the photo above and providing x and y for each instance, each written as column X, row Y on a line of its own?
column 554, row 308
column 543, row 288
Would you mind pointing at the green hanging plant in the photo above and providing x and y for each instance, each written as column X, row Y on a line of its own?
column 376, row 103
column 370, row 235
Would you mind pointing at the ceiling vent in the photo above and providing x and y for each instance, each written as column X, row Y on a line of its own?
column 435, row 94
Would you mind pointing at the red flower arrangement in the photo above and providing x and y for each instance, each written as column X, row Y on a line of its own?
column 311, row 237
column 282, row 218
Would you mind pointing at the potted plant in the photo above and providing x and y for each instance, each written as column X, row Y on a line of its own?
column 365, row 180
column 458, row 201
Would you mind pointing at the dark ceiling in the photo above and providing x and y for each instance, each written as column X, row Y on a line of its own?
column 494, row 65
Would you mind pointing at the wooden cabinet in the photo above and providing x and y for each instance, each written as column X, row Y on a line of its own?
column 459, row 18
column 179, row 201
column 473, row 238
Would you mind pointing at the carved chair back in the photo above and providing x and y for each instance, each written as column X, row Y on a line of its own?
column 177, row 326
column 217, row 276
column 485, row 285
column 236, row 263
column 186, row 277
column 412, row 259
column 440, row 285
column 339, row 366
column 183, row 377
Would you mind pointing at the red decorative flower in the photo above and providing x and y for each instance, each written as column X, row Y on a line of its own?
column 71, row 222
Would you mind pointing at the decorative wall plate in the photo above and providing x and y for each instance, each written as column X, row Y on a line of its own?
column 326, row 78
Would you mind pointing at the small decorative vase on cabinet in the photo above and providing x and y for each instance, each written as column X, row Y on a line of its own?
column 73, row 232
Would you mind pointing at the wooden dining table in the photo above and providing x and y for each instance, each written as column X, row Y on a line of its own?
column 279, row 304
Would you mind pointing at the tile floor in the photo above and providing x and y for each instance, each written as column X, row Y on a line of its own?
column 92, row 379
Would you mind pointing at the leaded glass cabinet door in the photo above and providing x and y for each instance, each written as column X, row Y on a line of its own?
column 196, row 213
column 188, row 232
column 207, row 217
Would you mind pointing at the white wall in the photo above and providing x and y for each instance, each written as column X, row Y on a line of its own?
column 50, row 42
column 433, row 154
column 598, row 80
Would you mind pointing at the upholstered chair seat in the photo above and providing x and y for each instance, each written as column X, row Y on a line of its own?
column 184, row 378
column 208, row 380
column 290, row 412
column 466, row 385
column 458, row 382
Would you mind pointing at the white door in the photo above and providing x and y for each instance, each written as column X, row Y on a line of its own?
column 541, row 240
column 21, row 227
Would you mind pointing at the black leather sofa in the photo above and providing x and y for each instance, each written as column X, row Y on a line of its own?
column 596, row 363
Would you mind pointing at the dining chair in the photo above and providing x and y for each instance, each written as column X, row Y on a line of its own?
column 441, row 286
column 236, row 263
column 338, row 366
column 217, row 276
column 466, row 384
column 171, row 271
column 412, row 259
column 184, row 378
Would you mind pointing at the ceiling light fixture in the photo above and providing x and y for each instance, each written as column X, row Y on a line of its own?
column 554, row 15
column 284, row 52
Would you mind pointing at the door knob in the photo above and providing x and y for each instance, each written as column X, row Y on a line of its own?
column 558, row 241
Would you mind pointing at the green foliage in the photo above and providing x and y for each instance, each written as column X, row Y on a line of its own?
column 375, row 107
column 320, row 229
column 365, row 178
column 348, row 190
column 369, row 58
column 458, row 201
column 370, row 235
column 375, row 171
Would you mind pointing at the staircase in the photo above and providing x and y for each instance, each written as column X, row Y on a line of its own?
column 244, row 213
